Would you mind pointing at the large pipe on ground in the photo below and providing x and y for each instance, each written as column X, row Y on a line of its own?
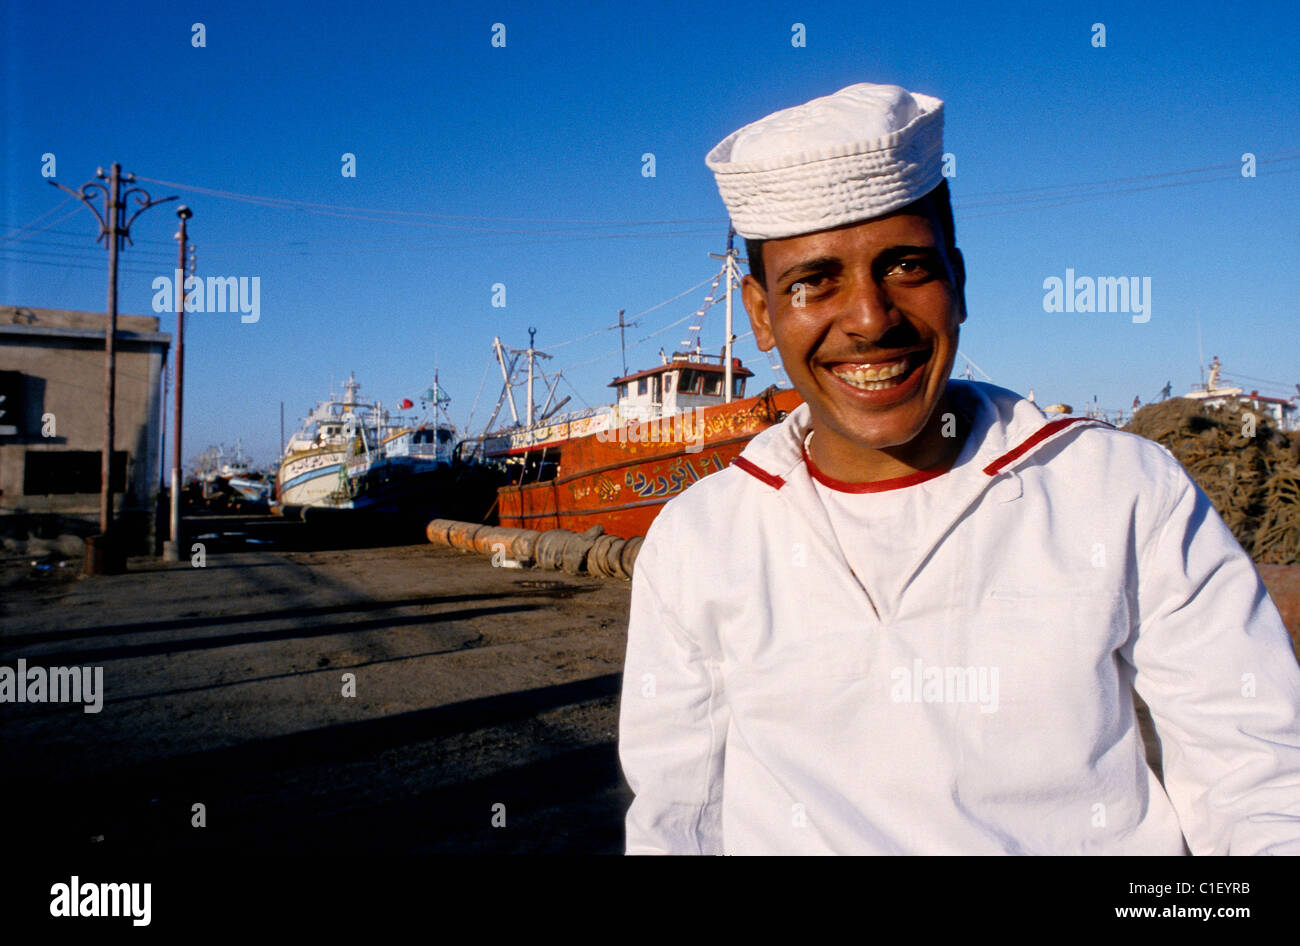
column 592, row 551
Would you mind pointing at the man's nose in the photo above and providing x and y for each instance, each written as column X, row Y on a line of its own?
column 866, row 309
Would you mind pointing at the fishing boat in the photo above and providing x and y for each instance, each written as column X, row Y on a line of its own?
column 352, row 454
column 224, row 480
column 1283, row 411
column 621, row 476
column 616, row 466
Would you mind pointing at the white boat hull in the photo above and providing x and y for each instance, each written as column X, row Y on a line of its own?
column 308, row 479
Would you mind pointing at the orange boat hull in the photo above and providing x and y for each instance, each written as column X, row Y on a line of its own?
column 622, row 484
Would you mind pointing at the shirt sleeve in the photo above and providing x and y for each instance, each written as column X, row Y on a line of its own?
column 672, row 721
column 1216, row 666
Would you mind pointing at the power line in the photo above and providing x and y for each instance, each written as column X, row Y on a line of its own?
column 1233, row 165
column 38, row 218
column 71, row 265
column 343, row 209
column 15, row 239
column 134, row 241
column 80, row 248
column 632, row 321
column 1090, row 197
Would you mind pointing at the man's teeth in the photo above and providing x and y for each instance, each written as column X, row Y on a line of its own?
column 872, row 379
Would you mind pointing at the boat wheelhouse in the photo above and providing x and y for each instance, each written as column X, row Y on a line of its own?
column 685, row 382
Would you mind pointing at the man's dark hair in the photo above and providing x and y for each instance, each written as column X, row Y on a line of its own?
column 939, row 199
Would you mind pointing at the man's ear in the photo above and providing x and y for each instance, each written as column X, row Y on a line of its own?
column 959, row 278
column 958, row 268
column 760, row 320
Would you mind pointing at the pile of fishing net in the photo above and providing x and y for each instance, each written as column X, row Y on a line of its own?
column 1253, row 481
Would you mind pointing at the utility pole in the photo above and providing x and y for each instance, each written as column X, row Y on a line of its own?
column 114, row 226
column 171, row 550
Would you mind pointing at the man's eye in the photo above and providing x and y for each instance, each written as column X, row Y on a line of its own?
column 808, row 282
column 910, row 270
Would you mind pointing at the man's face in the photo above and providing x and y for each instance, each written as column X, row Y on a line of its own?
column 873, row 342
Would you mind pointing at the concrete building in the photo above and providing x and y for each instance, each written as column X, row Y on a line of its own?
column 52, row 425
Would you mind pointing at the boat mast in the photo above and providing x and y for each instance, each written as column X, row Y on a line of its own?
column 732, row 274
column 506, row 392
column 531, row 351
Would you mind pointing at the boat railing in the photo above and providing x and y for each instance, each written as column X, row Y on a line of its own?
column 550, row 422
column 696, row 357
column 567, row 416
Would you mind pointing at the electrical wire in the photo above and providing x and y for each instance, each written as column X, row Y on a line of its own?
column 38, row 218
column 1086, row 198
column 626, row 324
column 974, row 200
column 17, row 239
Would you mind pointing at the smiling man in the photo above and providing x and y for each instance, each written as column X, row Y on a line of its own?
column 909, row 618
column 889, row 291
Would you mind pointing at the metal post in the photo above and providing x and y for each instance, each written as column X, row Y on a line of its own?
column 110, row 351
column 114, row 226
column 172, row 550
column 731, row 274
column 531, row 333
column 622, row 340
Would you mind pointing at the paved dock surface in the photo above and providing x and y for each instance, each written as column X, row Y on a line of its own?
column 476, row 687
column 484, row 717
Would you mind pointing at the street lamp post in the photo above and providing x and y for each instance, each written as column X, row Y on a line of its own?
column 114, row 226
column 171, row 549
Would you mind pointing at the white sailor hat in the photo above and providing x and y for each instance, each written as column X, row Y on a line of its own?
column 861, row 153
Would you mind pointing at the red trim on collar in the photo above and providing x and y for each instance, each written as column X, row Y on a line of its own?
column 770, row 479
column 879, row 486
column 1038, row 437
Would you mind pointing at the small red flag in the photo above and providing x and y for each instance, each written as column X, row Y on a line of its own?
column 407, row 404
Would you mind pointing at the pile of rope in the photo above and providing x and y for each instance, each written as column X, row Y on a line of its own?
column 1249, row 469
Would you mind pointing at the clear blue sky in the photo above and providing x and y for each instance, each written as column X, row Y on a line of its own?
column 526, row 161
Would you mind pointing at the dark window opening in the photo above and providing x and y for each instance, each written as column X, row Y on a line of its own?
column 50, row 473
column 11, row 401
